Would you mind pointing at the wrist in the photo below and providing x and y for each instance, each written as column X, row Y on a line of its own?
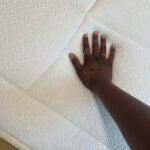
column 101, row 85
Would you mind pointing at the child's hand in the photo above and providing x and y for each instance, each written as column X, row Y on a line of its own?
column 97, row 69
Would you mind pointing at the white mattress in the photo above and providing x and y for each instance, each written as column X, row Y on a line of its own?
column 43, row 105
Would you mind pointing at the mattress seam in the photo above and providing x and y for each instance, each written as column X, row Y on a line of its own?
column 50, row 109
column 82, row 9
column 78, row 127
column 15, row 141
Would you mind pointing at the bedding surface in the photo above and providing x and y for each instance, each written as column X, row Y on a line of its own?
column 43, row 105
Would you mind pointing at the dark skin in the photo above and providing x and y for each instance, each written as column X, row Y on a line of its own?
column 131, row 115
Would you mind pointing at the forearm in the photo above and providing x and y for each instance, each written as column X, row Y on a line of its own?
column 131, row 115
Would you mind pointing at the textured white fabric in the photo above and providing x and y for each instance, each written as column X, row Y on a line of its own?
column 42, row 102
column 130, row 18
column 30, row 32
column 38, row 126
column 13, row 141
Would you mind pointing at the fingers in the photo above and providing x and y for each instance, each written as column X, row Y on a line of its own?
column 111, row 54
column 95, row 44
column 95, row 48
column 86, row 46
column 76, row 63
column 103, row 45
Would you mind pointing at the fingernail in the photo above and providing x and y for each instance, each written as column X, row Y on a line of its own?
column 85, row 35
column 71, row 56
column 95, row 33
column 113, row 46
column 103, row 36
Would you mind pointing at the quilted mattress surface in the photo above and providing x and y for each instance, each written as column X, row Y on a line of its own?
column 43, row 105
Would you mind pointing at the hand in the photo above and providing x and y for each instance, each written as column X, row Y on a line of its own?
column 96, row 69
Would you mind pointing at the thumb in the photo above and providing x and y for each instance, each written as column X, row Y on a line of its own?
column 76, row 63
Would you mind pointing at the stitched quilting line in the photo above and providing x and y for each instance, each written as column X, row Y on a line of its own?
column 116, row 32
column 82, row 9
column 54, row 60
column 84, row 17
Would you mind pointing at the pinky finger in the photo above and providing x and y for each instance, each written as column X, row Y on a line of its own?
column 76, row 63
column 111, row 54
